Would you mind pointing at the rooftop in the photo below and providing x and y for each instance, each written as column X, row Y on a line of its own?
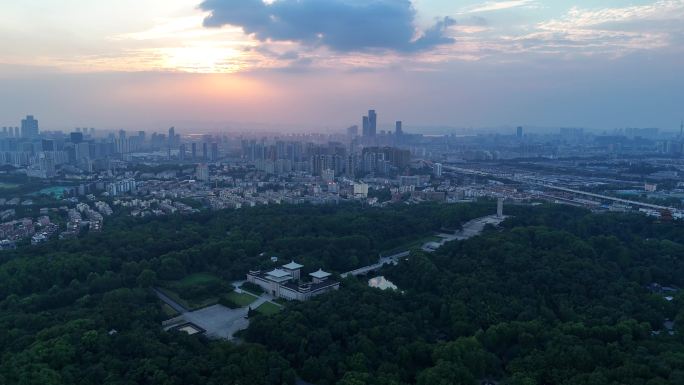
column 278, row 273
column 320, row 274
column 293, row 266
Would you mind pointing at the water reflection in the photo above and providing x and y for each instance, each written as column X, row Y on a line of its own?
column 382, row 283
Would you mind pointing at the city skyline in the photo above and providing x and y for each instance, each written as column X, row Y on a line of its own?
column 216, row 64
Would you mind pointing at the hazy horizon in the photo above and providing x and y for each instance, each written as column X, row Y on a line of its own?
column 434, row 63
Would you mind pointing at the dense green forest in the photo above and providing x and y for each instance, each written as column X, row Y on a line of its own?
column 80, row 311
column 556, row 296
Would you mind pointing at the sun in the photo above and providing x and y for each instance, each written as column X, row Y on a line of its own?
column 203, row 58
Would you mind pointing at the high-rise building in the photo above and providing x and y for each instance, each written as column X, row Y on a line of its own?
column 82, row 151
column 372, row 123
column 203, row 172
column 328, row 175
column 47, row 145
column 519, row 132
column 181, row 152
column 214, row 152
column 76, row 137
column 205, row 152
column 366, row 127
column 353, row 131
column 29, row 127
column 398, row 130
column 194, row 151
column 437, row 170
column 172, row 136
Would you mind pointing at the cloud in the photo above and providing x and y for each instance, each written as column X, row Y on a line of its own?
column 499, row 5
column 614, row 31
column 341, row 25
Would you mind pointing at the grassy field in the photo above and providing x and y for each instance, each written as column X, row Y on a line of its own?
column 268, row 308
column 197, row 279
column 242, row 299
column 168, row 311
column 195, row 291
column 252, row 288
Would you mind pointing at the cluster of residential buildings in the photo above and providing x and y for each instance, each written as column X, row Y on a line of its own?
column 38, row 230
column 154, row 174
column 153, row 207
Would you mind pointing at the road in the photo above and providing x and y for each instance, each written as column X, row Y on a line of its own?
column 543, row 183
column 606, row 197
column 394, row 259
column 469, row 229
column 174, row 305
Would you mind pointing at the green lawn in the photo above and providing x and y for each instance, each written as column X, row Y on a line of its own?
column 190, row 304
column 198, row 279
column 196, row 290
column 242, row 299
column 268, row 308
column 168, row 311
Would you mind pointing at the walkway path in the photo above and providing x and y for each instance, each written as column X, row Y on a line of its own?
column 469, row 230
column 393, row 259
column 169, row 301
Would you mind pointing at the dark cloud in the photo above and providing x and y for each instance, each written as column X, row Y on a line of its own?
column 341, row 25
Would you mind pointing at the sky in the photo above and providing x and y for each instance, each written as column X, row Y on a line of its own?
column 320, row 64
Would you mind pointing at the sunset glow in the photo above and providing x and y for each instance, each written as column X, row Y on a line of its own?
column 469, row 51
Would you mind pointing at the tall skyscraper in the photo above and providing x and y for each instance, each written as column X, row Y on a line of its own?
column 194, row 151
column 398, row 130
column 214, row 152
column 47, row 145
column 366, row 127
column 29, row 127
column 172, row 136
column 519, row 132
column 437, row 170
column 205, row 152
column 181, row 152
column 76, row 137
column 372, row 123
